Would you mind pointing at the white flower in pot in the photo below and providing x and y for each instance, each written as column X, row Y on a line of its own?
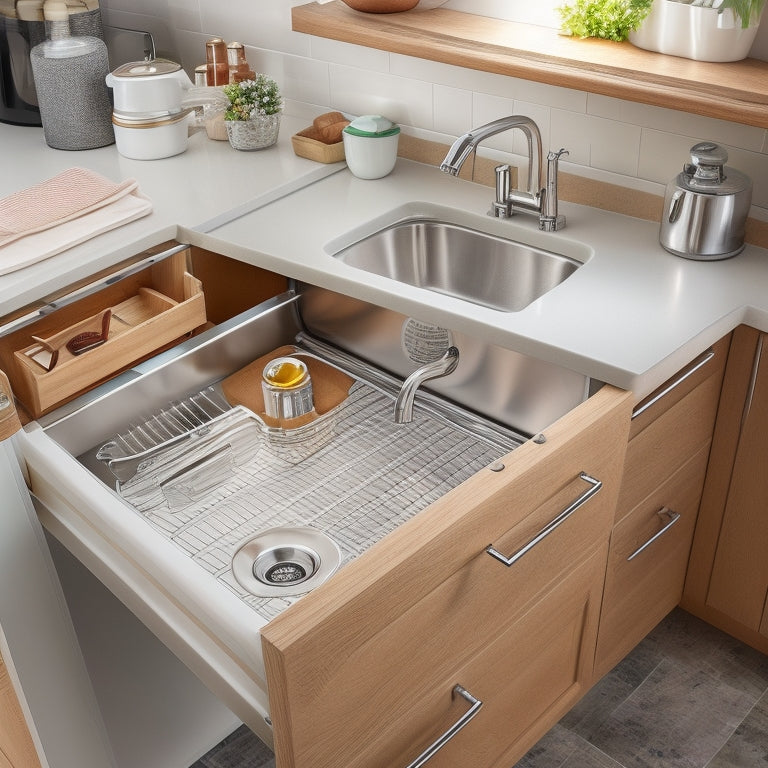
column 253, row 115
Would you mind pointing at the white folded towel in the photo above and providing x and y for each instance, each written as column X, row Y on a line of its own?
column 61, row 212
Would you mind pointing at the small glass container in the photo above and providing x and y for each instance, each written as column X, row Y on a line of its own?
column 217, row 68
column 287, row 389
column 238, row 63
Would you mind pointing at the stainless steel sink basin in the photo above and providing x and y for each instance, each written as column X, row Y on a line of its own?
column 458, row 261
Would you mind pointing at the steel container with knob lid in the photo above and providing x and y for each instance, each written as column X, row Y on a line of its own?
column 706, row 207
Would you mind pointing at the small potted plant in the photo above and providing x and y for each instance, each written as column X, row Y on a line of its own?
column 253, row 115
column 607, row 19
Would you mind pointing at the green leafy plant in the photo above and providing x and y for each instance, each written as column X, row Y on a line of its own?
column 609, row 19
column 747, row 10
column 251, row 98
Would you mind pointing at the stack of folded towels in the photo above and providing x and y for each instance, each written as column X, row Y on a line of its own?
column 61, row 212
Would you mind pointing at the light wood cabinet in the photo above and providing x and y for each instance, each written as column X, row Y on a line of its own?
column 727, row 583
column 16, row 747
column 661, row 488
column 362, row 671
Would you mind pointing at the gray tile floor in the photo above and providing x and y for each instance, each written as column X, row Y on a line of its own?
column 689, row 696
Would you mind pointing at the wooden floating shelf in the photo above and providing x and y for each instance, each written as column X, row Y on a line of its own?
column 735, row 91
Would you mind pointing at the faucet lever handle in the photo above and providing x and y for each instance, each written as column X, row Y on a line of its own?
column 550, row 220
column 502, row 206
column 562, row 152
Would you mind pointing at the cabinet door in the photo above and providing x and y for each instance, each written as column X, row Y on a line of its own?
column 360, row 671
column 727, row 579
column 739, row 582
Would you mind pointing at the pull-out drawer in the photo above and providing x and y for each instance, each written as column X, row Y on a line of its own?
column 531, row 674
column 672, row 430
column 357, row 670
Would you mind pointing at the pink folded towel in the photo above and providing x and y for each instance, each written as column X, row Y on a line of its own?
column 70, row 194
column 62, row 212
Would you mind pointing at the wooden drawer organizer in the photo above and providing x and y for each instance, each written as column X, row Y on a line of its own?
column 139, row 315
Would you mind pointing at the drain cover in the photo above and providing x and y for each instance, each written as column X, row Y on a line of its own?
column 285, row 573
column 285, row 561
column 285, row 565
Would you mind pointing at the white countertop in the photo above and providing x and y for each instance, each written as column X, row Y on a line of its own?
column 631, row 316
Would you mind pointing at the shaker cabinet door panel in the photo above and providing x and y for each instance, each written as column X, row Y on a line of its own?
column 739, row 582
column 727, row 579
column 361, row 671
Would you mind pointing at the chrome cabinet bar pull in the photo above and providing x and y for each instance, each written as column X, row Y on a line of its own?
column 700, row 363
column 436, row 746
column 595, row 486
column 663, row 512
column 752, row 381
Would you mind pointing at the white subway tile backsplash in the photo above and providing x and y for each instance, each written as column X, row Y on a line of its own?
column 452, row 110
column 615, row 146
column 572, row 131
column 674, row 122
column 489, row 83
column 541, row 12
column 300, row 79
column 164, row 35
column 359, row 56
column 363, row 92
column 184, row 14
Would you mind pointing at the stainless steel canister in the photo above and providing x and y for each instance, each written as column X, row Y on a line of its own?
column 706, row 207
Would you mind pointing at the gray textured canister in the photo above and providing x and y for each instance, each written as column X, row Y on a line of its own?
column 70, row 73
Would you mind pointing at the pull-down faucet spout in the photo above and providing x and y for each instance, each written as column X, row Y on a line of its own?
column 536, row 199
column 437, row 368
column 464, row 146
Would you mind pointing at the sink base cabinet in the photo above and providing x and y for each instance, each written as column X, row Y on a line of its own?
column 361, row 671
column 727, row 583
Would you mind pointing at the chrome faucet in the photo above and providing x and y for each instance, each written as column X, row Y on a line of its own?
column 437, row 368
column 537, row 200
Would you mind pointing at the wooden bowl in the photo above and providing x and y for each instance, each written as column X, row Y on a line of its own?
column 382, row 6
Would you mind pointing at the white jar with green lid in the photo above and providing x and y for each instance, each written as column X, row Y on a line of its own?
column 370, row 146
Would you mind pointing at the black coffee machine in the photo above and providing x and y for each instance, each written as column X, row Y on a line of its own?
column 21, row 29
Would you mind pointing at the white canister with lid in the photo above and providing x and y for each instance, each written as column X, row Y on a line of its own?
column 370, row 146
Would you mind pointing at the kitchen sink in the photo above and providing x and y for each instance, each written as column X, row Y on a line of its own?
column 462, row 262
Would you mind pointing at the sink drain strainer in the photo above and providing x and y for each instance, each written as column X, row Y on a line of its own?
column 285, row 561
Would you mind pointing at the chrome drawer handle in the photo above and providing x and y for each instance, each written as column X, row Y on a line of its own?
column 436, row 746
column 703, row 359
column 663, row 512
column 595, row 486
